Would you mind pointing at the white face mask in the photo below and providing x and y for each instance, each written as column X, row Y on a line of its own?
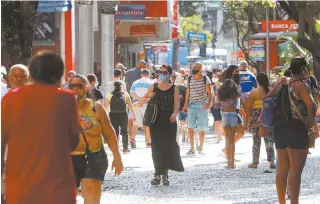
column 215, row 80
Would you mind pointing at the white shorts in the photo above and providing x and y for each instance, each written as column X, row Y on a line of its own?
column 139, row 110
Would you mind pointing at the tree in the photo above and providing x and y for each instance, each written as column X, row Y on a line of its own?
column 18, row 18
column 188, row 8
column 307, row 15
column 194, row 24
column 244, row 17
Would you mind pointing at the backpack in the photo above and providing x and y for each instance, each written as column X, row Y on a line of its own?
column 118, row 103
column 282, row 112
column 204, row 78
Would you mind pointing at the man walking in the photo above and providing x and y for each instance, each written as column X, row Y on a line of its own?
column 18, row 76
column 138, row 91
column 247, row 79
column 131, row 76
column 197, row 102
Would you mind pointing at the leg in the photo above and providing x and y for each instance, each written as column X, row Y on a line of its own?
column 115, row 121
column 282, row 174
column 297, row 161
column 240, row 133
column 130, row 127
column 201, row 135
column 124, row 130
column 192, row 124
column 256, row 149
column 268, row 141
column 91, row 191
column 227, row 132
column 219, row 129
column 232, row 146
column 191, row 137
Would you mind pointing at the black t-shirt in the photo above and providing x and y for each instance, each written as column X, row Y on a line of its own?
column 95, row 94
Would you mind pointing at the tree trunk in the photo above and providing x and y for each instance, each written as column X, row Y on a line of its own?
column 175, row 54
column 17, row 19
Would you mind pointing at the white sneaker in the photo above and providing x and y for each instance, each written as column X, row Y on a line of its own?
column 191, row 153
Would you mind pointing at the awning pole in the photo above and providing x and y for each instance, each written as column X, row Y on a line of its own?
column 267, row 43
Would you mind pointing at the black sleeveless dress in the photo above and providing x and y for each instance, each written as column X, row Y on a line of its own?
column 165, row 149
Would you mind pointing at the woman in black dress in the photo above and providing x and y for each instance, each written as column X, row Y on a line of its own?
column 165, row 149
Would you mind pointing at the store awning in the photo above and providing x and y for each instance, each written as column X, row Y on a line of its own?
column 272, row 35
column 54, row 6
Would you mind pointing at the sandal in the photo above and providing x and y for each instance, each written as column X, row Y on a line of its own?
column 253, row 166
column 273, row 165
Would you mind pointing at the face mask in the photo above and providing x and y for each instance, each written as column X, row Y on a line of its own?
column 215, row 80
column 195, row 71
column 164, row 78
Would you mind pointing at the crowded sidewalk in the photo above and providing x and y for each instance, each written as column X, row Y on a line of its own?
column 205, row 179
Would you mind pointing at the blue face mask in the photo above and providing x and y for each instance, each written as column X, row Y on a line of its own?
column 164, row 78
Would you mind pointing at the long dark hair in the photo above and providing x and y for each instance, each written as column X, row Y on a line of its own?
column 117, row 88
column 263, row 80
column 230, row 75
column 228, row 90
column 85, row 83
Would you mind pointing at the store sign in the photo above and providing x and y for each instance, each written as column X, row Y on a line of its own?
column 279, row 26
column 131, row 12
column 257, row 50
column 44, row 29
column 197, row 36
column 140, row 30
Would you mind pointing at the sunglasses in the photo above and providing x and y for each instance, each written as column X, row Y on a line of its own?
column 78, row 86
column 163, row 73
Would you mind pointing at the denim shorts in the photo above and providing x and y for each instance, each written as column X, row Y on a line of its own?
column 198, row 116
column 229, row 119
column 182, row 116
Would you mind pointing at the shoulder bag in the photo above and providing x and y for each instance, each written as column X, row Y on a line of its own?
column 151, row 113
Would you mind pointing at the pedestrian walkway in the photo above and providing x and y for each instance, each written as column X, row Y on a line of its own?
column 205, row 180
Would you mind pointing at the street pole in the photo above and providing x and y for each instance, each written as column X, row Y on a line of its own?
column 107, row 39
column 85, row 38
column 267, row 43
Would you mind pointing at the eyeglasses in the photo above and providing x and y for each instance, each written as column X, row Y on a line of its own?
column 78, row 86
column 163, row 73
column 21, row 77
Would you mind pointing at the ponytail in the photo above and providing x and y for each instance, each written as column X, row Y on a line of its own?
column 263, row 80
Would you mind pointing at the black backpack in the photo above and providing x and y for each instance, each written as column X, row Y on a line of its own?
column 282, row 115
column 118, row 103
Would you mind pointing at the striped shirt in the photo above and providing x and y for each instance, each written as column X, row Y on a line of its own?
column 198, row 89
column 140, row 87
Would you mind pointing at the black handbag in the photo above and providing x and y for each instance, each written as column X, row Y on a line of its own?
column 151, row 113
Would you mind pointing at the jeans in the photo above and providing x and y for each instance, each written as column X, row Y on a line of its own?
column 229, row 119
column 198, row 116
column 120, row 120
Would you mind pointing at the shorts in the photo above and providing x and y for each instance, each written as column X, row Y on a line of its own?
column 139, row 110
column 198, row 116
column 293, row 135
column 97, row 170
column 229, row 119
column 216, row 113
column 183, row 116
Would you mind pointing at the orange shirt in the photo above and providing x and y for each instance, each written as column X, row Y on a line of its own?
column 37, row 123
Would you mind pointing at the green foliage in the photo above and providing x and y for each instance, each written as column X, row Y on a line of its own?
column 317, row 26
column 194, row 24
column 188, row 8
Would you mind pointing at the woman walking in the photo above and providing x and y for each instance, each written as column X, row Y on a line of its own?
column 118, row 100
column 228, row 95
column 254, row 106
column 291, row 139
column 95, row 123
column 165, row 149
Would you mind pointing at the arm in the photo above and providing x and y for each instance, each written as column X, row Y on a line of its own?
column 149, row 94
column 209, row 96
column 186, row 100
column 274, row 90
column 176, row 105
column 134, row 96
column 129, row 103
column 304, row 94
column 249, row 108
column 4, row 132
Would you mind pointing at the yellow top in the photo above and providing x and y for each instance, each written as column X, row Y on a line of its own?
column 256, row 99
column 91, row 126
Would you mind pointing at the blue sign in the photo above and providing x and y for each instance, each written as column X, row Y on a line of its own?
column 131, row 12
column 54, row 6
column 196, row 36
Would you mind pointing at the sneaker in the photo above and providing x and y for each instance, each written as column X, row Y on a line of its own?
column 148, row 145
column 191, row 153
column 201, row 152
column 165, row 180
column 133, row 144
column 126, row 150
column 156, row 181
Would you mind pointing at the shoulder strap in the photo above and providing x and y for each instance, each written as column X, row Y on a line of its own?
column 204, row 77
column 189, row 80
column 84, row 136
column 295, row 108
